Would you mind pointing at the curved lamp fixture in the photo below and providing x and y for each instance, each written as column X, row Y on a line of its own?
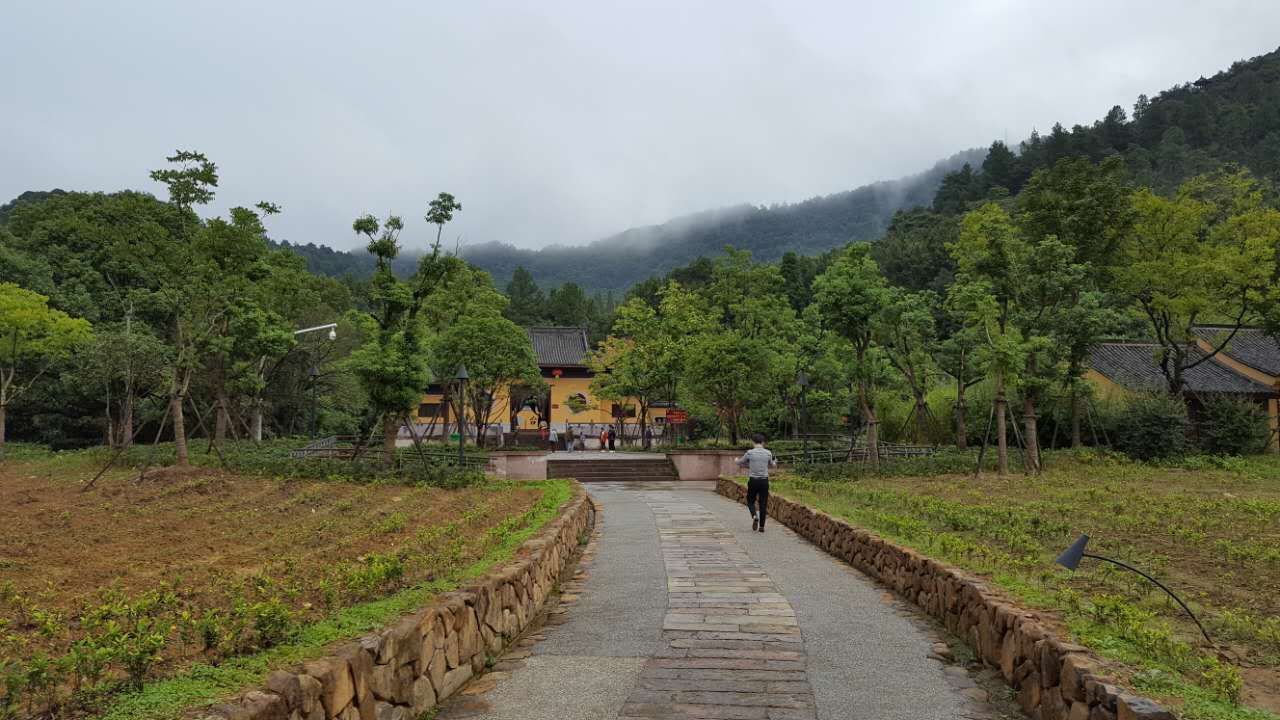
column 1071, row 557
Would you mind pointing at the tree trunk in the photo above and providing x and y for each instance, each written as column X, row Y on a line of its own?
column 4, row 411
column 1032, row 464
column 1076, row 440
column 220, row 420
column 869, row 417
column 126, row 421
column 922, row 415
column 446, row 401
column 257, row 420
column 179, row 429
column 962, row 433
column 389, row 431
column 1002, row 437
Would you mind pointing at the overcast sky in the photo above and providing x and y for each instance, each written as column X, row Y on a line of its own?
column 557, row 122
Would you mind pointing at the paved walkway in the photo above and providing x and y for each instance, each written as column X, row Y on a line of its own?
column 681, row 611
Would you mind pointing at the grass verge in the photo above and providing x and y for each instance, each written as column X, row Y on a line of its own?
column 1210, row 530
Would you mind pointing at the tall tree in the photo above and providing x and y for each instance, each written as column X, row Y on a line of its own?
column 497, row 354
column 32, row 336
column 190, row 285
column 907, row 330
column 527, row 304
column 1089, row 208
column 851, row 295
column 392, row 363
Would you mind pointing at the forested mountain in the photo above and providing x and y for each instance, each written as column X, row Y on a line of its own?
column 807, row 228
column 1187, row 130
column 619, row 261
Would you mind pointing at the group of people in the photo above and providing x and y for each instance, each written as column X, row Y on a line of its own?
column 572, row 440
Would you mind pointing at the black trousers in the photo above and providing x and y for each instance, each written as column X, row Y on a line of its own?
column 758, row 491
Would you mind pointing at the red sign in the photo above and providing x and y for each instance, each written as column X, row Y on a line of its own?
column 677, row 416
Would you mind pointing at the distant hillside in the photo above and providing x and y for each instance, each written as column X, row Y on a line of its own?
column 619, row 261
column 809, row 227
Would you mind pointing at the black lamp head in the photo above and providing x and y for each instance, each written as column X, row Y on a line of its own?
column 802, row 379
column 462, row 373
column 1070, row 558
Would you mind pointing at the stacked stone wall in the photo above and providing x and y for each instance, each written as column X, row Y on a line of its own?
column 410, row 667
column 1055, row 680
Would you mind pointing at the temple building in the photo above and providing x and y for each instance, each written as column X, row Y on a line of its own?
column 1248, row 367
column 562, row 358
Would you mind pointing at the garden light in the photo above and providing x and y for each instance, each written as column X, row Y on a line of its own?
column 1071, row 557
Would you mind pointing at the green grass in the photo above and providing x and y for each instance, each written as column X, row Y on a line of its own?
column 204, row 684
column 1209, row 528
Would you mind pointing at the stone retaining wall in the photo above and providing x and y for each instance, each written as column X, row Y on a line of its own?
column 407, row 669
column 1055, row 680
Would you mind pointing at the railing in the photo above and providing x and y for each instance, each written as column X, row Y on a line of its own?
column 858, row 453
column 346, row 448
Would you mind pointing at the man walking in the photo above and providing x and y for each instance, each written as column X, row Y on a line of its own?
column 758, row 460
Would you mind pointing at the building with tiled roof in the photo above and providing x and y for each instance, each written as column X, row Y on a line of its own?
column 560, row 346
column 1133, row 366
column 562, row 354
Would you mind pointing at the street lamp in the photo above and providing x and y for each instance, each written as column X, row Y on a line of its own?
column 331, row 327
column 1070, row 559
column 462, row 378
column 802, row 379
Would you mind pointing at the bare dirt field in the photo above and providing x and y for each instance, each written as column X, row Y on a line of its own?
column 217, row 564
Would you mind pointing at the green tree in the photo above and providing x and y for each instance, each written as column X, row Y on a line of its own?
column 907, row 331
column 568, row 305
column 647, row 356
column 727, row 371
column 1089, row 208
column 989, row 253
column 851, row 295
column 127, row 361
column 32, row 336
column 527, row 304
column 497, row 354
column 392, row 362
column 1207, row 254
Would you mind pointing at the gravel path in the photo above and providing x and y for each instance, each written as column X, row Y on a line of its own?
column 681, row 611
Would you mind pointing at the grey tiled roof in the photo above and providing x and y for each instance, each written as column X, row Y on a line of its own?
column 1133, row 365
column 1251, row 346
column 560, row 346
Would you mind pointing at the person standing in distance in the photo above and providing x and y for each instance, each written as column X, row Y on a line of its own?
column 758, row 460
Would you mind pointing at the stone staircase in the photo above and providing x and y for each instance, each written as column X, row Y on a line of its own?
column 613, row 470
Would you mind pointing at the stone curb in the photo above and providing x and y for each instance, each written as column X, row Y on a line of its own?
column 1055, row 680
column 424, row 658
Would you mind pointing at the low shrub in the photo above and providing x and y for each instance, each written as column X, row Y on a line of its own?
column 1152, row 427
column 1229, row 426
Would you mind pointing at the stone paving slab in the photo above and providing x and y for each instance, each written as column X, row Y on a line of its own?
column 710, row 669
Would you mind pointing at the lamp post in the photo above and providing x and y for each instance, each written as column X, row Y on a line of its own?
column 802, row 379
column 313, row 375
column 462, row 378
column 331, row 327
column 262, row 376
column 1070, row 559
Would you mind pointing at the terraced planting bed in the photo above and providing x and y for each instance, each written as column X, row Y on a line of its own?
column 1210, row 529
column 138, row 599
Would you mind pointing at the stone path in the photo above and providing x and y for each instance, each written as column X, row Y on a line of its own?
column 733, row 644
column 681, row 611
